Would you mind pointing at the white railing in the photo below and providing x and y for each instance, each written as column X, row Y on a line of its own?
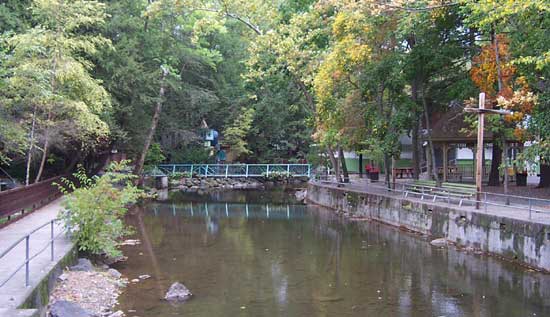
column 234, row 170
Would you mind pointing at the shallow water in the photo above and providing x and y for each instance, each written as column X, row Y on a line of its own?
column 261, row 254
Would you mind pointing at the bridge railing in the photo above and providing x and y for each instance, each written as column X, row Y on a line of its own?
column 234, row 170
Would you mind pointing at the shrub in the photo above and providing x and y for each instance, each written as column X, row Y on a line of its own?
column 276, row 176
column 179, row 175
column 94, row 208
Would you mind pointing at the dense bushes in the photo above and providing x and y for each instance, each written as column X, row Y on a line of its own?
column 95, row 207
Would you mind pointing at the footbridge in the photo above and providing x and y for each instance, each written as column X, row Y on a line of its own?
column 233, row 170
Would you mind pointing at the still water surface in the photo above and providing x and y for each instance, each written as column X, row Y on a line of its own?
column 261, row 254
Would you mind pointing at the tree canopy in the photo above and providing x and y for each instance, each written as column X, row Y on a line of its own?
column 79, row 78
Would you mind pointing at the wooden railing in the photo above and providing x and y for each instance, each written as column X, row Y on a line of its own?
column 17, row 202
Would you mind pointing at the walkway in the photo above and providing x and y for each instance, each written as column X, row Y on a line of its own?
column 14, row 293
column 515, row 211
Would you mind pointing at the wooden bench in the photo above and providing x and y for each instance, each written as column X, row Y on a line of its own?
column 420, row 186
column 460, row 191
column 446, row 190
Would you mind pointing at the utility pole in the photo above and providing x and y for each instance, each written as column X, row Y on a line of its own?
column 480, row 145
column 481, row 111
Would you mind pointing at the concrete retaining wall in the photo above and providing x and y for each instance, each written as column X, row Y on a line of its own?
column 522, row 241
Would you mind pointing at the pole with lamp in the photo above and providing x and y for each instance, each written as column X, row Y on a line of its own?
column 481, row 112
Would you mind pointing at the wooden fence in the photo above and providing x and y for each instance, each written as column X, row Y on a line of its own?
column 17, row 202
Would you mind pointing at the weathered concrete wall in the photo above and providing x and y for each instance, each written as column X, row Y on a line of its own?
column 39, row 297
column 516, row 240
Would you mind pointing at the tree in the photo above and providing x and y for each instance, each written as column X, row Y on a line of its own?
column 525, row 23
column 237, row 132
column 50, row 81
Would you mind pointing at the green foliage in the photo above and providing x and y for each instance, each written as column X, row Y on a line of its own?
column 95, row 207
column 155, row 155
column 190, row 154
column 236, row 133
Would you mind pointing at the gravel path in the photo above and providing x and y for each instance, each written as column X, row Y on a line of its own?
column 96, row 292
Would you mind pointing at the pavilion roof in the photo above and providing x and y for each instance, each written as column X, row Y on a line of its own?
column 451, row 127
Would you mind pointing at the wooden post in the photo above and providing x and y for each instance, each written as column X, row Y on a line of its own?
column 479, row 155
column 445, row 162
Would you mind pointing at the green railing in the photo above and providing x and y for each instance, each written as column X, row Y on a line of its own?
column 233, row 170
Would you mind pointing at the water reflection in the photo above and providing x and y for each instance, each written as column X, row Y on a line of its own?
column 282, row 259
column 236, row 210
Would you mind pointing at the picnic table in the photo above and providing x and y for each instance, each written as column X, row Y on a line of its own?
column 403, row 171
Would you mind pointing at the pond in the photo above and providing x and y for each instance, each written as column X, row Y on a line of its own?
column 254, row 253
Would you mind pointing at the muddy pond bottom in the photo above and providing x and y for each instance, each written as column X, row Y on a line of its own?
column 258, row 253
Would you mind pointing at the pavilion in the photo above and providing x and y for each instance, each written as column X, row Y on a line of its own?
column 455, row 143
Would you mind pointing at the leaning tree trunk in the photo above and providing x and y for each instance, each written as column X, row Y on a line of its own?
column 31, row 147
column 335, row 164
column 44, row 155
column 138, row 170
column 344, row 165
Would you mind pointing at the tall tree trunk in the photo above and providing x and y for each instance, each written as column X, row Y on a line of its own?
column 138, row 170
column 387, row 170
column 416, row 156
column 44, row 155
column 494, row 174
column 360, row 165
column 31, row 147
column 544, row 174
column 334, row 163
column 344, row 165
column 435, row 175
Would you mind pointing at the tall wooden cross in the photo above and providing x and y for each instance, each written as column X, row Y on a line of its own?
column 481, row 111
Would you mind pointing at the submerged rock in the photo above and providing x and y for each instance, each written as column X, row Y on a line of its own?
column 178, row 293
column 64, row 308
column 119, row 313
column 112, row 260
column 84, row 265
column 441, row 242
column 131, row 242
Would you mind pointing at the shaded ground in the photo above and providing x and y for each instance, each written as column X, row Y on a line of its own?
column 529, row 191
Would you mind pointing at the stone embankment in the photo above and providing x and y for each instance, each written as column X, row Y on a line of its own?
column 210, row 183
column 508, row 236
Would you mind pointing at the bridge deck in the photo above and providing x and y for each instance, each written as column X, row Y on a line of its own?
column 234, row 170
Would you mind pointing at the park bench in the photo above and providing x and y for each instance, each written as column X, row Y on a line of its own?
column 447, row 190
column 460, row 191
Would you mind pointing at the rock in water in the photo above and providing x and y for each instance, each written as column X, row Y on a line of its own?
column 441, row 242
column 114, row 273
column 301, row 195
column 178, row 293
column 64, row 308
column 83, row 265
